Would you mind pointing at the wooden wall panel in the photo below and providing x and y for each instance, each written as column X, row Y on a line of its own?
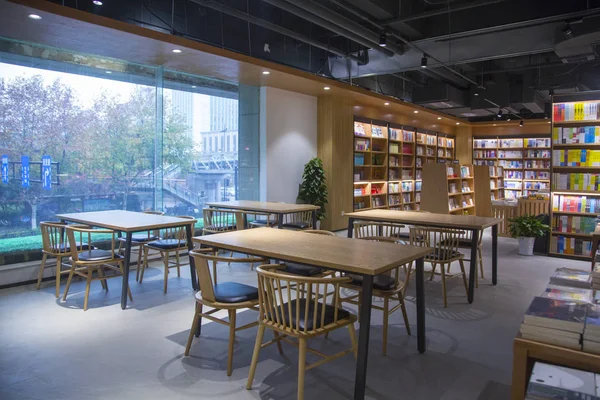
column 334, row 146
column 511, row 128
column 464, row 144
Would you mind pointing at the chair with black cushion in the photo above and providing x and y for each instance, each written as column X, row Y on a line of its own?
column 406, row 234
column 299, row 314
column 92, row 260
column 308, row 270
column 261, row 220
column 138, row 240
column 230, row 296
column 388, row 287
column 298, row 221
column 173, row 242
column 445, row 244
column 218, row 220
column 366, row 230
column 55, row 244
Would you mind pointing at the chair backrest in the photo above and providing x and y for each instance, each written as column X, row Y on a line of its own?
column 219, row 220
column 445, row 242
column 257, row 219
column 365, row 229
column 300, row 216
column 319, row 232
column 396, row 271
column 276, row 290
column 53, row 238
column 78, row 234
column 205, row 279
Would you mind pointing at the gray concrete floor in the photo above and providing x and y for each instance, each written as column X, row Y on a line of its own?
column 54, row 350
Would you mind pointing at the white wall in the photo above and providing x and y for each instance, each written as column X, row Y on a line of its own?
column 288, row 140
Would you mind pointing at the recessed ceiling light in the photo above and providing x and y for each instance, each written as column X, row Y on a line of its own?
column 266, row 72
column 475, row 94
column 458, row 123
column 326, row 88
column 34, row 16
column 108, row 72
column 386, row 104
column 97, row 2
column 494, row 124
column 416, row 111
column 508, row 119
column 549, row 122
column 439, row 117
column 176, row 51
column 193, row 87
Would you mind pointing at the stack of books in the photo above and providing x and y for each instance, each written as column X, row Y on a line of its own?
column 578, row 295
column 596, row 277
column 553, row 382
column 572, row 277
column 558, row 322
column 591, row 333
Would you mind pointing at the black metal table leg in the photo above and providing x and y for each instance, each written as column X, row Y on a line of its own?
column 188, row 233
column 126, row 270
column 280, row 221
column 314, row 219
column 350, row 227
column 420, row 278
column 494, row 254
column 364, row 319
column 473, row 264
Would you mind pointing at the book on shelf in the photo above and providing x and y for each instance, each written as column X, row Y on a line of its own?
column 359, row 129
column 558, row 292
column 408, row 136
column 556, row 314
column 485, row 143
column 591, row 333
column 575, row 111
column 511, row 143
column 377, row 131
column 538, row 142
column 393, row 199
column 576, row 158
column 359, row 159
column 450, row 172
column 452, row 188
column 571, row 277
column 467, row 200
column 466, row 187
column 407, row 186
column 418, row 174
column 393, row 187
column 578, row 135
column 570, row 245
column 377, row 202
column 406, row 197
column 576, row 181
column 394, row 148
column 361, row 144
column 407, row 148
column 510, row 154
column 557, row 337
column 418, row 197
column 394, row 134
column 551, row 382
column 573, row 224
column 407, row 174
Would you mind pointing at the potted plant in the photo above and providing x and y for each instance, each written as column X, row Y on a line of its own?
column 313, row 188
column 526, row 228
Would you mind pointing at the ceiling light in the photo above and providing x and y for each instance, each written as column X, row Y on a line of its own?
column 383, row 39
column 508, row 119
column 439, row 117
column 97, row 2
column 326, row 88
column 521, row 123
column 424, row 61
column 386, row 104
column 108, row 72
column 494, row 124
column 549, row 122
column 458, row 123
column 176, row 51
column 266, row 73
column 34, row 16
column 499, row 113
column 567, row 31
column 416, row 111
column 475, row 94
column 193, row 87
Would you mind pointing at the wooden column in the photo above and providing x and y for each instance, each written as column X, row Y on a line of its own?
column 464, row 144
column 334, row 147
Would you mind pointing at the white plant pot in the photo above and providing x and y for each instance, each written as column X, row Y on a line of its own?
column 526, row 246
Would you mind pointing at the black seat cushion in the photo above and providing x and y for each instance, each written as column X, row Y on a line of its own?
column 97, row 255
column 224, row 228
column 65, row 248
column 167, row 244
column 406, row 235
column 308, row 323
column 296, row 225
column 263, row 222
column 302, row 270
column 380, row 282
column 442, row 255
column 233, row 292
column 140, row 237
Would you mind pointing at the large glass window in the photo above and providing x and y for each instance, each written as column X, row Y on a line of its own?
column 117, row 136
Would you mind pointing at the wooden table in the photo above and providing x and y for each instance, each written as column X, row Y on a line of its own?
column 465, row 222
column 130, row 222
column 267, row 207
column 526, row 352
column 363, row 257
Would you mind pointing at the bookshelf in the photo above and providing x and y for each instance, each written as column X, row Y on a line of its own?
column 388, row 161
column 484, row 193
column 575, row 175
column 496, row 182
column 525, row 162
column 448, row 189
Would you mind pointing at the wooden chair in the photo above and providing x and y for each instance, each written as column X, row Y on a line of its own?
column 298, row 314
column 138, row 240
column 84, row 263
column 261, row 220
column 217, row 220
column 385, row 286
column 174, row 241
column 366, row 230
column 298, row 221
column 54, row 245
column 230, row 296
column 308, row 270
column 445, row 243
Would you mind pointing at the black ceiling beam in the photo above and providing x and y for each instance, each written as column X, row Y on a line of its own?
column 440, row 11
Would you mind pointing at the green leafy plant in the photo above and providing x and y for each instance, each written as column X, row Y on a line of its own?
column 527, row 226
column 313, row 189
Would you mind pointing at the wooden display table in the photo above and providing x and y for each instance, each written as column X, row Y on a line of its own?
column 526, row 352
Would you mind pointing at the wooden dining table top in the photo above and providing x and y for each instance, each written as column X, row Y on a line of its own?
column 426, row 219
column 125, row 221
column 263, row 206
column 334, row 252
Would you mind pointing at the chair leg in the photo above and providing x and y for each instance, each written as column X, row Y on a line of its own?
column 407, row 279
column 352, row 333
column 69, row 282
column 257, row 346
column 444, row 285
column 276, row 334
column 41, row 273
column 480, row 257
column 404, row 314
column 464, row 275
column 232, row 315
column 144, row 264
column 214, row 272
column 102, row 278
column 386, row 314
column 301, row 367
column 139, row 263
column 193, row 330
column 58, row 274
column 88, row 283
column 166, row 272
column 433, row 267
column 177, row 260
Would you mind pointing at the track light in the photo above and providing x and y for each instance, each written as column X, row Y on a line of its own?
column 383, row 39
column 567, row 31
column 424, row 61
column 499, row 113
column 521, row 123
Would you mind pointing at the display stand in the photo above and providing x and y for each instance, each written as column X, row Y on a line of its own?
column 483, row 192
column 448, row 189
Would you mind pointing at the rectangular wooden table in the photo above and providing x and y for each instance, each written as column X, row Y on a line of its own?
column 367, row 258
column 268, row 207
column 130, row 222
column 465, row 222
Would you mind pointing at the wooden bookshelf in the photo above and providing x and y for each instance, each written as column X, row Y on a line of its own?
column 448, row 189
column 525, row 162
column 386, row 174
column 575, row 174
column 483, row 189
